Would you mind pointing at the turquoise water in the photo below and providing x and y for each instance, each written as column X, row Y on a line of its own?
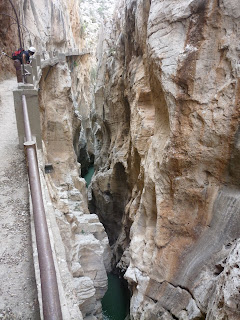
column 115, row 303
column 88, row 176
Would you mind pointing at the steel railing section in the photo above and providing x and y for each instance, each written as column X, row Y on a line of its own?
column 49, row 286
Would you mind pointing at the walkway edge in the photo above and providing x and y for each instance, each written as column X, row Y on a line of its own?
column 69, row 304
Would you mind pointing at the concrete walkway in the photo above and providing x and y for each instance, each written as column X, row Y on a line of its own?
column 18, row 294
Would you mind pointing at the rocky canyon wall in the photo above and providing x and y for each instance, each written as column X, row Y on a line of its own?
column 86, row 247
column 167, row 152
column 65, row 103
column 46, row 25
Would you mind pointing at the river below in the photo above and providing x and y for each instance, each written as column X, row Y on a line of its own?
column 115, row 303
column 88, row 176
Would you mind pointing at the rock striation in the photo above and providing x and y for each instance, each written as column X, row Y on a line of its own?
column 167, row 153
column 86, row 245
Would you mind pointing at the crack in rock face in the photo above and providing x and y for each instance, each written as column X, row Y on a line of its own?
column 166, row 111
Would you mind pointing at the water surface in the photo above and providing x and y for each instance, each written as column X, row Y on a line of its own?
column 115, row 303
column 88, row 176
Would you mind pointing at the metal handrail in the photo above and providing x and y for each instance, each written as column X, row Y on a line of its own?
column 50, row 293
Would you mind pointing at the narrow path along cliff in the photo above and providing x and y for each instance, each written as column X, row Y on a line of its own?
column 18, row 294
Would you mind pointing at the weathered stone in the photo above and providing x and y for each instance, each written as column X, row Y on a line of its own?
column 167, row 144
column 83, row 235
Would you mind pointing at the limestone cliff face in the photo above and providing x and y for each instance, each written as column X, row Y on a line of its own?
column 167, row 151
column 87, row 251
column 7, row 38
column 47, row 25
column 64, row 101
column 52, row 24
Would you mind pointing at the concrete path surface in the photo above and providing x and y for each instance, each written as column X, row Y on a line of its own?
column 18, row 294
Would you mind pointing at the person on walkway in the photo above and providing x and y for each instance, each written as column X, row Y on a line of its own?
column 23, row 57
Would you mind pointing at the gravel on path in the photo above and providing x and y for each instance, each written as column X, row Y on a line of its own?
column 18, row 293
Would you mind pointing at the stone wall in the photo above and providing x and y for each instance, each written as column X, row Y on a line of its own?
column 167, row 151
column 64, row 92
column 85, row 241
column 8, row 39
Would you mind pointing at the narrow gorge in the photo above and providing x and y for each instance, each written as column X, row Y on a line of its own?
column 150, row 106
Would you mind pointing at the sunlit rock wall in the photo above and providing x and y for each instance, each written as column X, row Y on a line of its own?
column 64, row 91
column 47, row 25
column 8, row 39
column 167, row 150
column 86, row 245
column 52, row 25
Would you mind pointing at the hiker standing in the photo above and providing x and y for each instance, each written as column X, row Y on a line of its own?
column 21, row 57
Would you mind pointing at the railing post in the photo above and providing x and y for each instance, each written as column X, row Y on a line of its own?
column 28, row 73
column 38, row 59
column 35, row 68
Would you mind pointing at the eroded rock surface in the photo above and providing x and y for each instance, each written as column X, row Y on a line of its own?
column 86, row 244
column 167, row 148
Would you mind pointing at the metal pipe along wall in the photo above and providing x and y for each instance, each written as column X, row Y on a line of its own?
column 50, row 293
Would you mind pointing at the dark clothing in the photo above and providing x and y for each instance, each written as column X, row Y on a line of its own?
column 17, row 65
column 27, row 56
